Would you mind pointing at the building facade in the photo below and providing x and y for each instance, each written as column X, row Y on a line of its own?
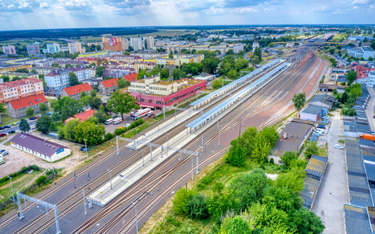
column 53, row 48
column 17, row 108
column 136, row 43
column 361, row 52
column 115, row 43
column 20, row 75
column 255, row 45
column 58, row 79
column 148, row 43
column 75, row 91
column 14, row 67
column 33, row 49
column 39, row 147
column 154, row 93
column 76, row 47
column 19, row 89
column 107, row 87
column 9, row 50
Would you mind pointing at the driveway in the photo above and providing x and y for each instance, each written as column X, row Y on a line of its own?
column 333, row 192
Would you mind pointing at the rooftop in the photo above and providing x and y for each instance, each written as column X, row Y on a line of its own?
column 109, row 83
column 82, row 116
column 28, row 101
column 37, row 144
column 313, row 109
column 77, row 89
column 17, row 83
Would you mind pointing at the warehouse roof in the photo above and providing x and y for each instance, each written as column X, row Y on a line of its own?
column 313, row 109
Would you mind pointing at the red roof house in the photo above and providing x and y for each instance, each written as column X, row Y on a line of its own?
column 131, row 77
column 82, row 116
column 108, row 86
column 75, row 91
column 16, row 108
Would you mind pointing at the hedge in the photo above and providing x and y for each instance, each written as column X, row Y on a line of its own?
column 18, row 173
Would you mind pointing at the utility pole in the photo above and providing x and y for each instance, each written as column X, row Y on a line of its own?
column 11, row 187
column 88, row 180
column 87, row 157
column 54, row 175
column 136, row 217
column 84, row 200
column 75, row 177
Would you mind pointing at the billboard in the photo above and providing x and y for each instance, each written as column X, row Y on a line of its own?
column 112, row 41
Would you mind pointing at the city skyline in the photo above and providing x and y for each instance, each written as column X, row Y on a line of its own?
column 47, row 14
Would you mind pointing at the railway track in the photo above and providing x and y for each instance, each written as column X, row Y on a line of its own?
column 75, row 198
column 117, row 203
column 109, row 225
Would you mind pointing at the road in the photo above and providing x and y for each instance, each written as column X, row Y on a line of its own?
column 17, row 128
column 64, row 192
column 333, row 192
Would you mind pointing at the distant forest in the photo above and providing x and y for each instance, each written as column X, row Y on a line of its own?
column 76, row 32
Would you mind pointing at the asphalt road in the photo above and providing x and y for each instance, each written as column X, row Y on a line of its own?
column 17, row 128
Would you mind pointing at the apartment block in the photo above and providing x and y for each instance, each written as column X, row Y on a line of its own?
column 136, row 43
column 58, row 79
column 17, row 108
column 9, row 50
column 13, row 67
column 115, row 43
column 33, row 49
column 14, row 90
column 76, row 47
column 75, row 91
column 20, row 75
column 53, row 48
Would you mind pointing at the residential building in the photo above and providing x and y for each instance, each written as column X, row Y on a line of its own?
column 148, row 43
column 311, row 113
column 13, row 67
column 136, row 43
column 76, row 90
column 146, row 55
column 325, row 101
column 16, row 108
column 360, row 38
column 187, row 58
column 237, row 47
column 9, row 50
column 76, row 47
column 255, row 45
column 131, row 77
column 361, row 52
column 154, row 93
column 59, row 79
column 53, row 48
column 82, row 116
column 107, row 87
column 33, row 49
column 115, row 43
column 94, row 54
column 14, row 90
column 44, row 149
column 365, row 75
column 43, row 70
column 11, row 75
column 93, row 81
column 64, row 48
column 117, row 72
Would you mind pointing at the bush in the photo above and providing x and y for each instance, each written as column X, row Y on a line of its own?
column 180, row 201
column 22, row 171
column 49, row 172
column 41, row 179
column 34, row 167
column 119, row 131
column 108, row 136
column 197, row 207
column 271, row 161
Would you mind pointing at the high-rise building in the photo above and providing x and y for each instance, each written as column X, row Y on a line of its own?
column 76, row 47
column 136, row 43
column 115, row 43
column 53, row 48
column 148, row 43
column 9, row 49
column 33, row 49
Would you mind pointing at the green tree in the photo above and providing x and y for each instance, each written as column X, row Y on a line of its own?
column 177, row 74
column 333, row 61
column 83, row 94
column 93, row 93
column 293, row 180
column 181, row 199
column 242, row 63
column 68, row 132
column 64, row 115
column 351, row 76
column 255, row 60
column 33, row 71
column 100, row 116
column 235, row 225
column 164, row 73
column 53, row 127
column 311, row 148
column 68, row 65
column 41, row 180
column 90, row 131
column 99, row 61
column 98, row 47
column 29, row 111
column 197, row 207
column 99, row 71
column 22, row 70
column 95, row 102
column 370, row 58
column 2, row 108
column 288, row 158
column 232, row 74
column 236, row 154
column 270, row 45
column 56, row 116
column 299, row 100
column 24, row 125
column 121, row 103
column 73, row 79
column 210, row 64
column 43, row 107
column 122, row 83
column 332, row 51
column 43, row 123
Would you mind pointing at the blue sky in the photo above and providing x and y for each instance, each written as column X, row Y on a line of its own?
column 45, row 14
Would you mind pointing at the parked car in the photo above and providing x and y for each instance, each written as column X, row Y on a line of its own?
column 11, row 131
column 14, row 124
column 7, row 126
column 337, row 146
column 3, row 150
column 32, row 118
column 83, row 149
column 2, row 134
column 5, row 153
column 321, row 126
column 372, row 132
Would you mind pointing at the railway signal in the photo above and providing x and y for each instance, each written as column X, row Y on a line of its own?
column 88, row 180
column 74, row 177
column 54, row 175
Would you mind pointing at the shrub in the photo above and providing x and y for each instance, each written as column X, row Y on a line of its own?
column 197, row 207
column 34, row 167
column 49, row 172
column 181, row 199
column 271, row 161
column 108, row 136
column 41, row 179
column 119, row 131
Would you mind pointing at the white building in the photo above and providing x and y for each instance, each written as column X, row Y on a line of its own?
column 149, row 41
column 361, row 52
column 136, row 43
column 58, row 79
column 39, row 147
column 53, row 48
column 9, row 49
column 255, row 45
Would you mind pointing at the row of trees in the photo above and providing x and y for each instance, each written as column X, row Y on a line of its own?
column 230, row 66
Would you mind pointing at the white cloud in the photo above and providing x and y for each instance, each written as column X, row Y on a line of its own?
column 23, row 5
column 339, row 11
column 355, row 7
column 244, row 10
column 44, row 5
column 11, row 6
column 372, row 6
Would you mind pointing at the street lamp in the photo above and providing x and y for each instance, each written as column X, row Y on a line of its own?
column 10, row 179
column 110, row 177
column 87, row 157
